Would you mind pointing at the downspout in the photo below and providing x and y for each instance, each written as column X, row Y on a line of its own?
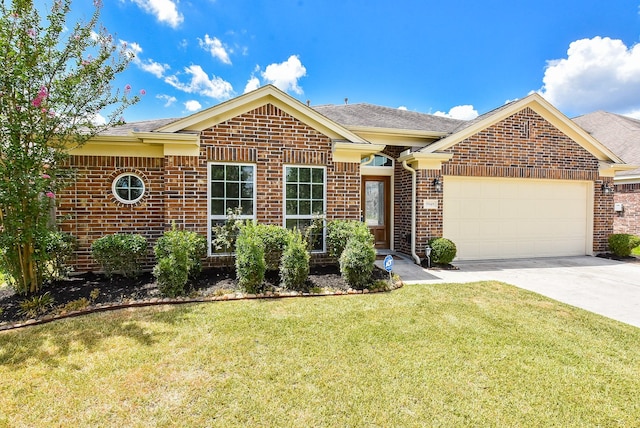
column 413, row 210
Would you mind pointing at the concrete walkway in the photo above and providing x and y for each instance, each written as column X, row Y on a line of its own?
column 606, row 287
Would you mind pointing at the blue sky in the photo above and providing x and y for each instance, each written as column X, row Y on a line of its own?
column 455, row 57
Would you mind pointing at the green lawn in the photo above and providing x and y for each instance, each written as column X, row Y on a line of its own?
column 636, row 251
column 481, row 354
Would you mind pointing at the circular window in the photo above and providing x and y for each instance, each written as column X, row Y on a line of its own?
column 128, row 188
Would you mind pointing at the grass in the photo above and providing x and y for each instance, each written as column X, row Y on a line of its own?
column 636, row 251
column 480, row 354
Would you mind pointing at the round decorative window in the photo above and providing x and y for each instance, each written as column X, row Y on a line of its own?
column 128, row 188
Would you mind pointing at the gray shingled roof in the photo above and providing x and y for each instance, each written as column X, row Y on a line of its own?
column 620, row 134
column 143, row 126
column 373, row 116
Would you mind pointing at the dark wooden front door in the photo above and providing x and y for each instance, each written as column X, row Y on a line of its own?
column 376, row 205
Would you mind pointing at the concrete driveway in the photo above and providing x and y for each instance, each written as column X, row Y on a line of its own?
column 606, row 287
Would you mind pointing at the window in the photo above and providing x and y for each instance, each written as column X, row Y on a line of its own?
column 232, row 187
column 128, row 188
column 304, row 199
column 378, row 160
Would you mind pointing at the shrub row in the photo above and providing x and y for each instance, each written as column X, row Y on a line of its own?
column 178, row 254
column 260, row 248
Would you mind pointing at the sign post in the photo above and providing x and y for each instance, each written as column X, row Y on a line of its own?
column 388, row 266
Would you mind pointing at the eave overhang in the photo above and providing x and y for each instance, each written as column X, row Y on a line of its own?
column 141, row 144
column 397, row 137
column 354, row 152
column 421, row 160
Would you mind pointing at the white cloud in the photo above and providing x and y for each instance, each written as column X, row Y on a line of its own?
column 149, row 65
column 252, row 84
column 201, row 84
column 598, row 74
column 286, row 74
column 169, row 100
column 216, row 48
column 402, row 108
column 192, row 105
column 464, row 112
column 164, row 10
column 98, row 119
column 633, row 113
column 153, row 67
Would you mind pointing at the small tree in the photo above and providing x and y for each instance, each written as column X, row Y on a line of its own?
column 55, row 81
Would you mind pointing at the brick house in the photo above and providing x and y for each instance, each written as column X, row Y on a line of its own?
column 621, row 134
column 520, row 181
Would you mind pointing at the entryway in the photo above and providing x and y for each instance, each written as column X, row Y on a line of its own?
column 376, row 206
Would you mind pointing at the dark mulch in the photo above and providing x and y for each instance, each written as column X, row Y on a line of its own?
column 119, row 289
column 611, row 256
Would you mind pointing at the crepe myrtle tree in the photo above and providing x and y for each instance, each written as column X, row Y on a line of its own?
column 55, row 80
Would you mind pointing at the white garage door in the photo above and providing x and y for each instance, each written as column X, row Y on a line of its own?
column 489, row 218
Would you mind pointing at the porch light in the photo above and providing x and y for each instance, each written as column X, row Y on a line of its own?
column 437, row 184
column 607, row 188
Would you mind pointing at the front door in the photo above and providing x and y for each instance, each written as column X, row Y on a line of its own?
column 376, row 203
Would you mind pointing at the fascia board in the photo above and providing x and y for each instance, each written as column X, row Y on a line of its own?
column 627, row 179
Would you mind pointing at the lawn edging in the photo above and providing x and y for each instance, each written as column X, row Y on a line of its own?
column 235, row 296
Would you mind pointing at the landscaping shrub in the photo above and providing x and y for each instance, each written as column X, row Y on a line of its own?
column 120, row 253
column 339, row 232
column 443, row 251
column 224, row 235
column 274, row 239
column 357, row 260
column 294, row 266
column 179, row 254
column 621, row 244
column 60, row 249
column 250, row 263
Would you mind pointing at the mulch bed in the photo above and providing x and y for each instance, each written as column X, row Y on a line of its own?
column 119, row 290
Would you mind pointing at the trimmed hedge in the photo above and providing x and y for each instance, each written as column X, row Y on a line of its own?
column 179, row 254
column 621, row 244
column 294, row 265
column 443, row 250
column 120, row 253
column 340, row 231
column 250, row 262
column 357, row 261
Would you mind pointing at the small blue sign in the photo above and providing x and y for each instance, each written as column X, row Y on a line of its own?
column 388, row 263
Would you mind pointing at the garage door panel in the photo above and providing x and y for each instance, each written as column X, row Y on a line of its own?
column 510, row 218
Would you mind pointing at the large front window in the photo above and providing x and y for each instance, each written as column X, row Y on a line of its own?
column 232, row 189
column 305, row 199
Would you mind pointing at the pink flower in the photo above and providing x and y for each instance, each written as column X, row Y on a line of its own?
column 31, row 32
column 127, row 88
column 42, row 94
column 46, row 176
column 143, row 92
column 50, row 195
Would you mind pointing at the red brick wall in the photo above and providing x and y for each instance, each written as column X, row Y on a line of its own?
column 89, row 210
column 177, row 185
column 627, row 221
column 523, row 145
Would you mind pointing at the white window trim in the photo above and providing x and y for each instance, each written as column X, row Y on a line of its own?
column 125, row 201
column 305, row 217
column 211, row 217
column 367, row 169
